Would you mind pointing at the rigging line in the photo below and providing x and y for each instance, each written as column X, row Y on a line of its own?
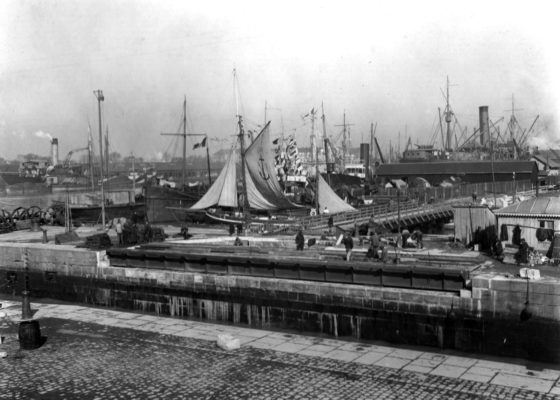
column 435, row 130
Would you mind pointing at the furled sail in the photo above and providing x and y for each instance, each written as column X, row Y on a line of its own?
column 223, row 191
column 328, row 198
column 261, row 170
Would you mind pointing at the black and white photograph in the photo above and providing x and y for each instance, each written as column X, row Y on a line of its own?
column 279, row 200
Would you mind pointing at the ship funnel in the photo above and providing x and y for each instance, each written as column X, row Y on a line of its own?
column 484, row 126
column 54, row 151
column 364, row 157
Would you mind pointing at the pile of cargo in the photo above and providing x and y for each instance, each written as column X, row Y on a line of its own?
column 100, row 241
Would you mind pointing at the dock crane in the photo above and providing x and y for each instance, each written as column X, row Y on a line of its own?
column 66, row 163
column 379, row 150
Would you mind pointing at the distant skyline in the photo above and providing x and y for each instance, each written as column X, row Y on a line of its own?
column 383, row 62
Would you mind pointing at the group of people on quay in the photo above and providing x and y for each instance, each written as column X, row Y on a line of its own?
column 378, row 248
column 132, row 232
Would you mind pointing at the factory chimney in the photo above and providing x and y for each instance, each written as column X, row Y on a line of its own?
column 54, row 151
column 484, row 126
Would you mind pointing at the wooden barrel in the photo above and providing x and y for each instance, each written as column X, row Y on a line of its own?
column 29, row 334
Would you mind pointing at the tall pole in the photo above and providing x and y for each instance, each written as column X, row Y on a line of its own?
column 26, row 304
column 313, row 141
column 326, row 144
column 243, row 180
column 441, row 130
column 344, row 139
column 100, row 98
column 107, row 151
column 448, row 119
column 208, row 160
column 317, row 180
column 133, row 176
column 90, row 158
column 184, row 142
column 368, row 173
column 344, row 144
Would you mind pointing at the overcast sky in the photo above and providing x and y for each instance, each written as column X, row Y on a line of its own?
column 383, row 62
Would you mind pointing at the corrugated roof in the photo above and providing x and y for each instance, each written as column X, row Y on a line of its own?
column 547, row 157
column 536, row 206
column 456, row 168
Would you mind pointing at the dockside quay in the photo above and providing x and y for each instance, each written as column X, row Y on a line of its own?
column 461, row 301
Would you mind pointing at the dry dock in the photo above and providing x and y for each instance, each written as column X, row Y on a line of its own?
column 461, row 301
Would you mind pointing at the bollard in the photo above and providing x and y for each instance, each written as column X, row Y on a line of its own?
column 45, row 240
column 26, row 306
column 26, row 302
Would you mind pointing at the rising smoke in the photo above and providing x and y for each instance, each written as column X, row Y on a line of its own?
column 545, row 136
column 42, row 134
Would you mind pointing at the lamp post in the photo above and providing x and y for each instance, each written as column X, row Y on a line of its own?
column 25, row 303
column 99, row 95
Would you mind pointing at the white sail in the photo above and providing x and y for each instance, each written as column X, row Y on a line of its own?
column 263, row 189
column 328, row 198
column 261, row 170
column 223, row 191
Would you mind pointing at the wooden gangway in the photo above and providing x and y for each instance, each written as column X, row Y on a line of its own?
column 410, row 212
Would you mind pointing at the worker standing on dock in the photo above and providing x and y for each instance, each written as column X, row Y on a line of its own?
column 384, row 253
column 371, row 225
column 348, row 245
column 331, row 223
column 119, row 229
column 148, row 235
column 184, row 231
column 374, row 245
column 498, row 249
column 417, row 236
column 300, row 240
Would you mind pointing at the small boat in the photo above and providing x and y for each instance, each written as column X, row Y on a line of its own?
column 261, row 191
column 92, row 214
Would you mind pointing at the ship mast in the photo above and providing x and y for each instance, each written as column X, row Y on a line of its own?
column 100, row 98
column 344, row 139
column 241, row 136
column 184, row 141
column 448, row 118
column 312, row 138
column 184, row 135
column 326, row 144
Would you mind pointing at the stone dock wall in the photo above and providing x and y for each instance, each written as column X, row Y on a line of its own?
column 484, row 318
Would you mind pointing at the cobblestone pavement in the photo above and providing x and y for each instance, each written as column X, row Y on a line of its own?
column 94, row 353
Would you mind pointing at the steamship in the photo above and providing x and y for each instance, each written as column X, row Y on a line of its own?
column 58, row 182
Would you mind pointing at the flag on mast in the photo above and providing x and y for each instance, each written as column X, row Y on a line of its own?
column 201, row 144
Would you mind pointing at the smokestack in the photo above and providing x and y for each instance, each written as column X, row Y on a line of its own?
column 484, row 126
column 364, row 157
column 54, row 151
